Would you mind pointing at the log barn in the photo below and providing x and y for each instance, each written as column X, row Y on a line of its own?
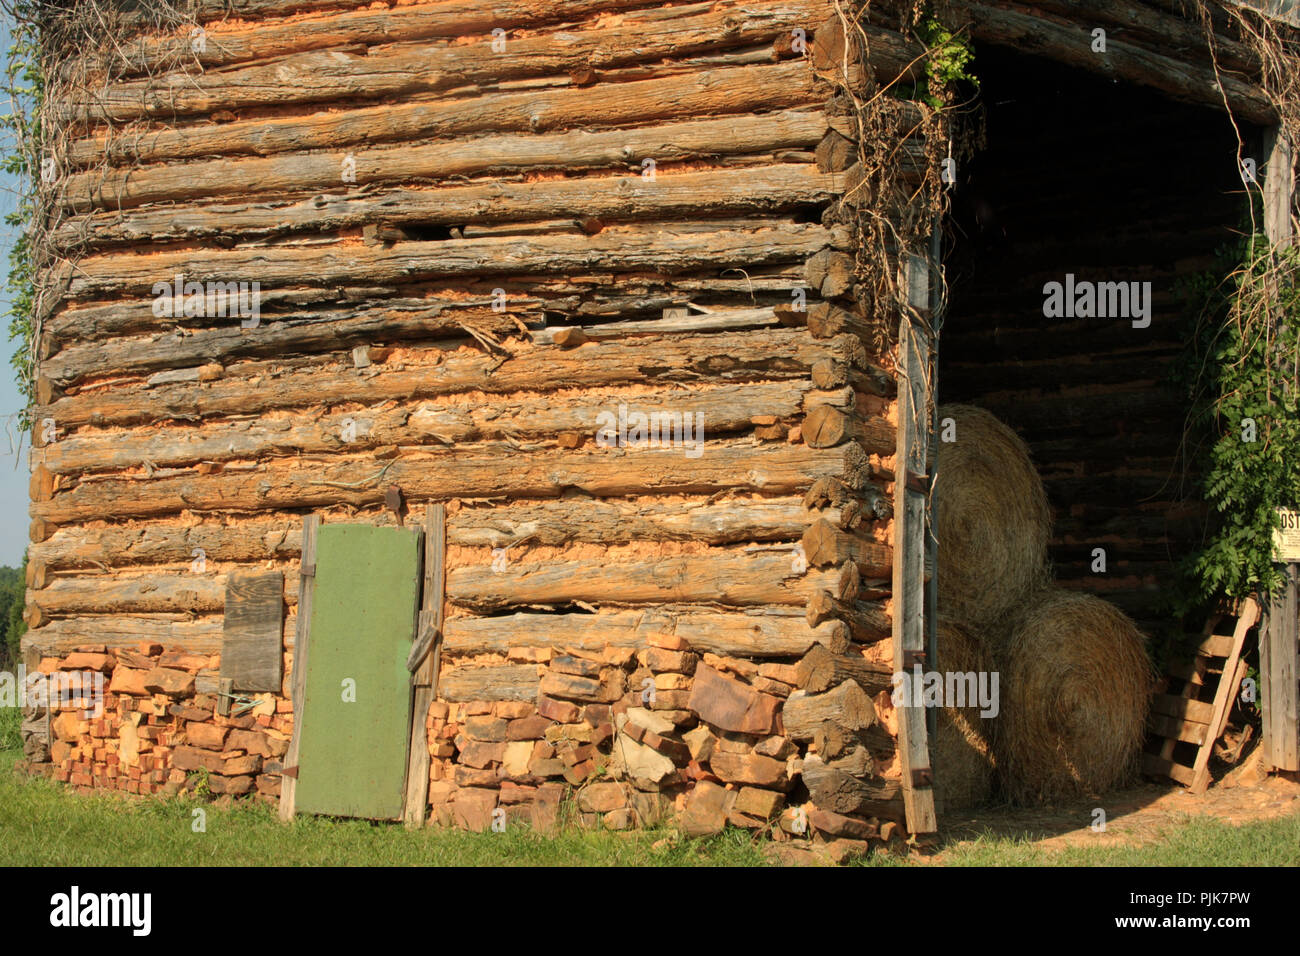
column 441, row 407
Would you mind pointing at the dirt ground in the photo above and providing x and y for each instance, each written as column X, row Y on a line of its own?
column 1135, row 816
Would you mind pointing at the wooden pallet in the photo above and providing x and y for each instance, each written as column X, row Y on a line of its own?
column 1217, row 669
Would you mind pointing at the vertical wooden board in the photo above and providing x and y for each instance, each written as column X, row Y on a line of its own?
column 353, row 752
column 302, row 634
column 909, row 569
column 426, row 674
column 252, row 643
column 1279, row 670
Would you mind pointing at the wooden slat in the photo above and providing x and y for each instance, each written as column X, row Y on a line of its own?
column 909, row 569
column 1182, row 708
column 306, row 587
column 425, row 678
column 1223, row 697
column 1216, row 645
column 1173, row 729
column 251, row 645
column 1160, row 767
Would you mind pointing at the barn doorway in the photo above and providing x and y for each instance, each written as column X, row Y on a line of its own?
column 1105, row 182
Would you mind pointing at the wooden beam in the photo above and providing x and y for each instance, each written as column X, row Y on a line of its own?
column 424, row 680
column 306, row 588
column 910, row 498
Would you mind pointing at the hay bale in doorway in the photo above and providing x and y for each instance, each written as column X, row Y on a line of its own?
column 1076, row 685
column 961, row 753
column 992, row 518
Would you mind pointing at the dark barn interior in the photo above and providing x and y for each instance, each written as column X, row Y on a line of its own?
column 1112, row 183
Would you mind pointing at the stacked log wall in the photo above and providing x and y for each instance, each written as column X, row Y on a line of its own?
column 507, row 265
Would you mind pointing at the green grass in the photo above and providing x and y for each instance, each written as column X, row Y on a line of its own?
column 47, row 824
column 1191, row 841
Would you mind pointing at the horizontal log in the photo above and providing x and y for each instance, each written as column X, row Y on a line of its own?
column 845, row 705
column 161, row 591
column 756, row 633
column 770, row 354
column 306, row 332
column 489, row 470
column 868, row 621
column 820, row 670
column 824, row 544
column 256, row 37
column 660, row 247
column 727, row 578
column 492, row 683
column 671, row 194
column 575, row 150
column 840, row 792
column 826, row 426
column 549, row 523
column 173, row 631
column 405, row 69
column 870, row 380
column 715, row 411
column 707, row 92
column 79, row 547
column 1034, row 31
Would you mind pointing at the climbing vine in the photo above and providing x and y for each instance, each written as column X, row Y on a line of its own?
column 1242, row 364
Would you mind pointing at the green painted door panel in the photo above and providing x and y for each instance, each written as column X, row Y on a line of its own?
column 352, row 755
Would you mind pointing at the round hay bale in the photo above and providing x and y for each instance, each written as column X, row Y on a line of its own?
column 992, row 518
column 961, row 752
column 1075, row 688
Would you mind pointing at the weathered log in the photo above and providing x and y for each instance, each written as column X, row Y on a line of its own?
column 840, row 792
column 167, row 591
column 281, row 336
column 574, row 150
column 865, row 504
column 728, row 578
column 754, row 633
column 746, row 356
column 493, row 682
column 870, row 380
column 623, row 197
column 653, row 246
column 827, row 320
column 727, row 89
column 845, row 705
column 485, row 471
column 78, row 547
column 405, row 69
column 821, row 669
column 868, row 621
column 829, row 272
column 718, row 321
column 824, row 544
column 723, row 410
column 174, row 631
column 346, row 25
column 826, row 426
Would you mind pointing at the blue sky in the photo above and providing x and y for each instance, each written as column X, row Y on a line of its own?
column 13, row 446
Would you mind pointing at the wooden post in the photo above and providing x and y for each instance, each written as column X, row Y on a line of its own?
column 1279, row 672
column 306, row 588
column 911, row 492
column 1279, row 639
column 424, row 678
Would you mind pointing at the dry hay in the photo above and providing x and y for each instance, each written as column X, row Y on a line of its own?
column 1075, row 685
column 961, row 752
column 992, row 518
